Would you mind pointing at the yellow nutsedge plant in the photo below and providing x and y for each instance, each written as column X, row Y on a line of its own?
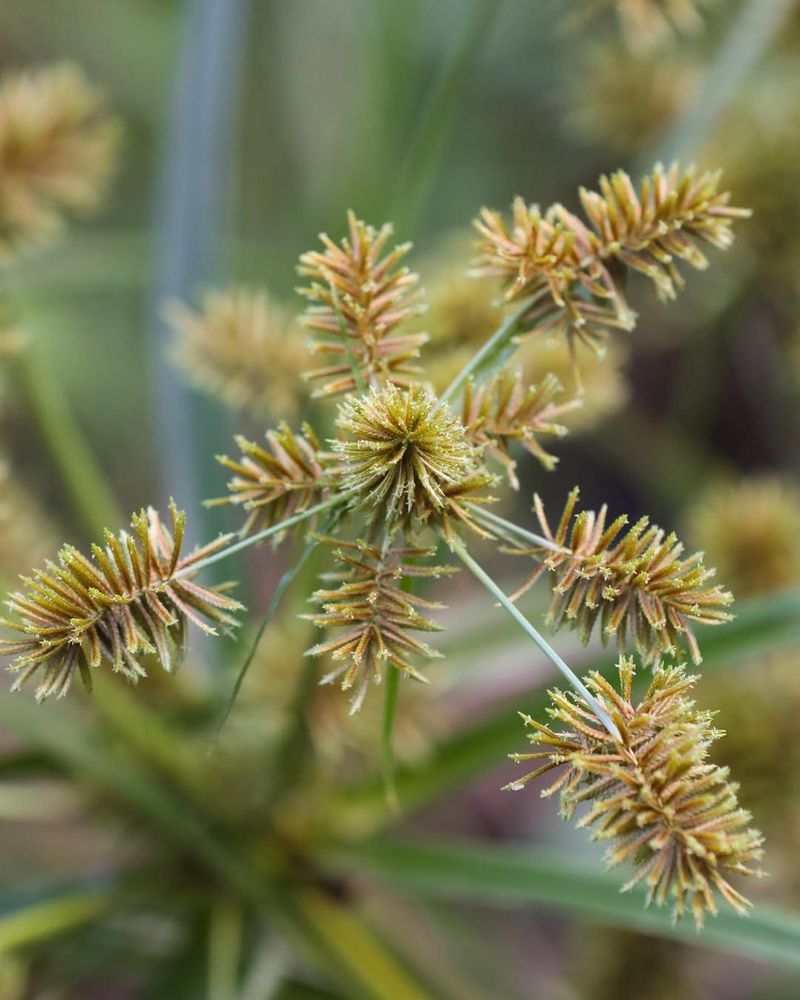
column 408, row 474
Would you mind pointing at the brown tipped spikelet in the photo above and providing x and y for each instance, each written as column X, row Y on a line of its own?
column 136, row 597
column 240, row 348
column 370, row 604
column 273, row 483
column 359, row 295
column 407, row 458
column 566, row 266
column 653, row 793
column 57, row 151
column 502, row 410
column 636, row 582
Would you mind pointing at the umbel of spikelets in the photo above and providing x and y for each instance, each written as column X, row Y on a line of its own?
column 358, row 297
column 567, row 265
column 239, row 347
column 57, row 151
column 633, row 582
column 407, row 459
column 273, row 483
column 653, row 793
column 135, row 597
column 377, row 616
column 501, row 411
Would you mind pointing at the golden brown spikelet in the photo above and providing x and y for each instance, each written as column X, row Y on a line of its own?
column 407, row 459
column 359, row 295
column 652, row 793
column 378, row 616
column 242, row 347
column 646, row 24
column 288, row 476
column 136, row 597
column 566, row 267
column 57, row 152
column 751, row 531
column 633, row 582
column 501, row 411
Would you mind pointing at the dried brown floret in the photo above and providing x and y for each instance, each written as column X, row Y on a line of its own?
column 273, row 483
column 136, row 597
column 359, row 295
column 653, row 793
column 502, row 410
column 636, row 582
column 376, row 612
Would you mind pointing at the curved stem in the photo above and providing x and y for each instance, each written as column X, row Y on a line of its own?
column 492, row 350
column 514, row 529
column 478, row 571
column 275, row 529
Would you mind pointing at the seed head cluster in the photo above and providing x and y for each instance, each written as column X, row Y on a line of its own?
column 653, row 793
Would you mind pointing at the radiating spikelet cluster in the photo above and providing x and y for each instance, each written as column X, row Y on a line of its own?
column 359, row 295
column 241, row 348
column 375, row 612
column 567, row 266
column 750, row 530
column 653, row 793
column 134, row 598
column 633, row 582
column 501, row 411
column 57, row 152
column 407, row 459
column 273, row 483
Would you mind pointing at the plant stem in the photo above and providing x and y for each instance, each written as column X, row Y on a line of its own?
column 491, row 351
column 83, row 477
column 387, row 735
column 275, row 529
column 478, row 571
column 539, row 540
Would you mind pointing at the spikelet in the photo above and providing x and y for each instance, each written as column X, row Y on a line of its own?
column 501, row 411
column 645, row 24
column 636, row 582
column 57, row 152
column 567, row 267
column 240, row 348
column 370, row 604
column 135, row 598
column 653, row 793
column 407, row 459
column 751, row 530
column 273, row 483
column 359, row 295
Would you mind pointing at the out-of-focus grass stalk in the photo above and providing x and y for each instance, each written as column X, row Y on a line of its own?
column 226, row 927
column 191, row 212
column 753, row 31
column 85, row 482
column 363, row 957
column 418, row 171
column 45, row 917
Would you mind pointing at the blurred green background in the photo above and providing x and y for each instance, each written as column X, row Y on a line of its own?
column 248, row 129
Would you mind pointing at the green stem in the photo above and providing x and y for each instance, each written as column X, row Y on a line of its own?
column 275, row 529
column 478, row 571
column 387, row 734
column 77, row 464
column 500, row 522
column 491, row 351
